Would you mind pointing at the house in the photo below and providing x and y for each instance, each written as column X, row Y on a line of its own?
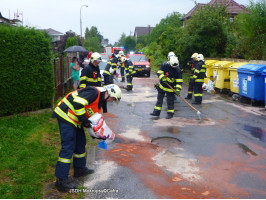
column 139, row 31
column 13, row 22
column 56, row 35
column 232, row 8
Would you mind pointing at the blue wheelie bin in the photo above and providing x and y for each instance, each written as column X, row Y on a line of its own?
column 251, row 82
column 264, row 74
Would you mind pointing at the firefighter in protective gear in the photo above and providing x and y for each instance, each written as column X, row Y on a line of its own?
column 198, row 78
column 72, row 113
column 90, row 75
column 129, row 67
column 192, row 63
column 108, row 74
column 121, row 65
column 170, row 73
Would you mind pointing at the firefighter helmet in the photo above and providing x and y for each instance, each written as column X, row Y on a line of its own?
column 96, row 57
column 194, row 55
column 174, row 62
column 170, row 54
column 114, row 91
column 121, row 53
column 122, row 59
column 89, row 55
column 200, row 57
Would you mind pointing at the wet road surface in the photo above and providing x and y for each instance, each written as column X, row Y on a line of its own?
column 223, row 157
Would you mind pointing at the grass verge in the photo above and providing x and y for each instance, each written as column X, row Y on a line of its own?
column 29, row 149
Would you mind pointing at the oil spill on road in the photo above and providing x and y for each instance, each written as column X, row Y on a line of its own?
column 139, row 158
column 256, row 132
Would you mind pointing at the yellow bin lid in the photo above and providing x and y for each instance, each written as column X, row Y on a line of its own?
column 223, row 64
column 209, row 63
column 234, row 66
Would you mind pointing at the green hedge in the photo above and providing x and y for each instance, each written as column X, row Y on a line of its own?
column 26, row 70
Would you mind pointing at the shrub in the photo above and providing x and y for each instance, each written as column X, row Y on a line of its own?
column 26, row 70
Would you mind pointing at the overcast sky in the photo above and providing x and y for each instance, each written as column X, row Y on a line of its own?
column 111, row 17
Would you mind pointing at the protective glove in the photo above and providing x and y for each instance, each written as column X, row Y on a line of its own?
column 87, row 124
column 177, row 92
column 164, row 80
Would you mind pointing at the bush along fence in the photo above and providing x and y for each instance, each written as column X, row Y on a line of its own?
column 26, row 70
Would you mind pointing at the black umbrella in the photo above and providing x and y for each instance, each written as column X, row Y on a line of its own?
column 75, row 49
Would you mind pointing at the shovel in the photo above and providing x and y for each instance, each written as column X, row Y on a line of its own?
column 198, row 112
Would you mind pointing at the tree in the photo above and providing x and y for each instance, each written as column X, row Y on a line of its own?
column 92, row 44
column 207, row 31
column 71, row 41
column 121, row 41
column 172, row 20
column 252, row 31
column 130, row 44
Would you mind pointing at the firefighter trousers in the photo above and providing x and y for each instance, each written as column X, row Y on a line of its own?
column 108, row 79
column 122, row 71
column 129, row 82
column 190, row 88
column 159, row 103
column 73, row 141
column 198, row 92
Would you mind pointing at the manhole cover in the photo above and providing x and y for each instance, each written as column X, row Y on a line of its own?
column 166, row 142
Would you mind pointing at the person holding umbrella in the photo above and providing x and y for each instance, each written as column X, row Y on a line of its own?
column 75, row 72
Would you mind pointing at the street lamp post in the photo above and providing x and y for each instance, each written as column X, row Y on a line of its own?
column 81, row 21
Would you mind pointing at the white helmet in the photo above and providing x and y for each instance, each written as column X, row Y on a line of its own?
column 122, row 59
column 96, row 56
column 174, row 62
column 170, row 54
column 114, row 91
column 121, row 53
column 200, row 57
column 194, row 55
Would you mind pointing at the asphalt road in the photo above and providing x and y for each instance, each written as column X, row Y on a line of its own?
column 223, row 157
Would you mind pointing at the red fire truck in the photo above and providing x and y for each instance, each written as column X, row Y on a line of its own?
column 108, row 51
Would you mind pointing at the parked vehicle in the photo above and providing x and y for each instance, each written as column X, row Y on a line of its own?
column 141, row 63
column 108, row 51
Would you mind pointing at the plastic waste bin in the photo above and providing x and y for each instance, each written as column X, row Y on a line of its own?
column 221, row 74
column 264, row 75
column 234, row 76
column 209, row 71
column 251, row 81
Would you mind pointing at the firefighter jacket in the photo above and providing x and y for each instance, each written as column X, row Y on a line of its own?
column 199, row 72
column 173, row 76
column 192, row 64
column 76, row 107
column 129, row 67
column 90, row 76
column 111, row 63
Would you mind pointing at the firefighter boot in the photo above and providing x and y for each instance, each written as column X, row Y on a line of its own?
column 78, row 172
column 169, row 115
column 155, row 113
column 129, row 88
column 123, row 79
column 188, row 97
column 64, row 185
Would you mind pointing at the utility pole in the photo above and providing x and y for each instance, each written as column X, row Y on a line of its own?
column 81, row 22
